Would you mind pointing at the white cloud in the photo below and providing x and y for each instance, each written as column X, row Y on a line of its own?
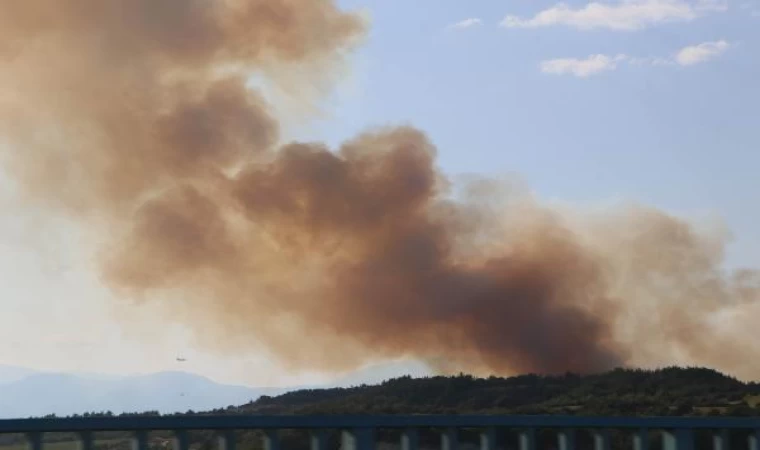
column 627, row 15
column 695, row 54
column 466, row 23
column 596, row 64
column 706, row 6
column 752, row 6
column 581, row 68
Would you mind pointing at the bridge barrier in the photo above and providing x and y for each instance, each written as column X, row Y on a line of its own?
column 358, row 431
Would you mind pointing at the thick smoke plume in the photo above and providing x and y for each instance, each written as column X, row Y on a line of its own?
column 137, row 117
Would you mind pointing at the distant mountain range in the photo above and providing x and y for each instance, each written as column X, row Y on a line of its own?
column 39, row 394
column 29, row 393
column 9, row 374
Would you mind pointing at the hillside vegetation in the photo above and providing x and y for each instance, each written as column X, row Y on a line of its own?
column 664, row 392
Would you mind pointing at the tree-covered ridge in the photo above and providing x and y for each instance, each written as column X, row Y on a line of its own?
column 668, row 391
column 632, row 392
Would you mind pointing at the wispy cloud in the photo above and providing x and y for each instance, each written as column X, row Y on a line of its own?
column 705, row 51
column 599, row 63
column 627, row 15
column 752, row 6
column 651, row 61
column 581, row 68
column 466, row 23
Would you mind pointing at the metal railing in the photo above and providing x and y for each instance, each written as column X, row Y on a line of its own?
column 358, row 432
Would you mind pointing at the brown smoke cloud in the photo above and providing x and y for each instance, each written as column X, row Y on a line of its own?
column 136, row 116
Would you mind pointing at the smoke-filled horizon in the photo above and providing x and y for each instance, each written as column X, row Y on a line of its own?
column 137, row 118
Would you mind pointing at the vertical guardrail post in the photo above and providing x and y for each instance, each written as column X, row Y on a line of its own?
column 602, row 439
column 641, row 439
column 681, row 439
column 318, row 440
column 271, row 440
column 566, row 439
column 226, row 440
column 180, row 440
column 488, row 439
column 34, row 441
column 721, row 440
column 754, row 440
column 140, row 440
column 450, row 439
column 527, row 439
column 85, row 440
column 358, row 439
column 410, row 439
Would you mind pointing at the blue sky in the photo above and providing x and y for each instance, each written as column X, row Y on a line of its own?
column 673, row 123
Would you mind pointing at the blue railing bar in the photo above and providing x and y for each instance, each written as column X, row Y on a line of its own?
column 231, row 422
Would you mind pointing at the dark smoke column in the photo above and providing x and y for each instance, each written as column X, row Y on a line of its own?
column 136, row 118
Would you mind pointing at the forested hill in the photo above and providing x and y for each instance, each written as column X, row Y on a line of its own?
column 669, row 391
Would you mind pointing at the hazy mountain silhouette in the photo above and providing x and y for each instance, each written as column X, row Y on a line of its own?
column 40, row 394
column 9, row 374
column 26, row 392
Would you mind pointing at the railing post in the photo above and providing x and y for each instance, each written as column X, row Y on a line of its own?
column 720, row 440
column 140, row 440
column 754, row 440
column 566, row 439
column 410, row 439
column 488, row 439
column 318, row 440
column 450, row 439
column 641, row 439
column 602, row 439
column 527, row 439
column 271, row 440
column 226, row 440
column 34, row 441
column 681, row 439
column 180, row 440
column 358, row 439
column 85, row 440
